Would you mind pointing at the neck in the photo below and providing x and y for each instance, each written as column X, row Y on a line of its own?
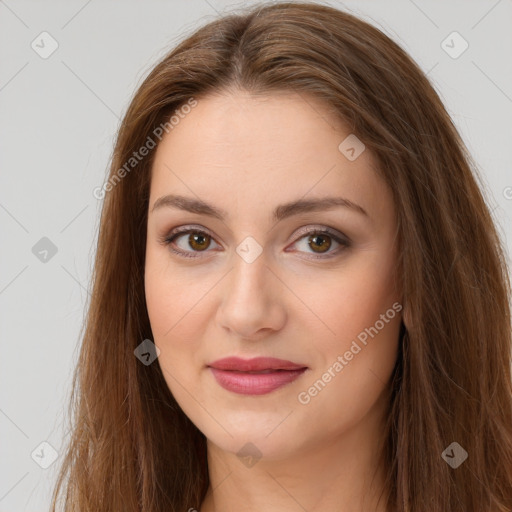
column 339, row 473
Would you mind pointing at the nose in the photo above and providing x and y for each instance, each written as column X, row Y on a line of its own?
column 252, row 300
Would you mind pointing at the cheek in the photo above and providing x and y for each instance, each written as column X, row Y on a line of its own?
column 173, row 333
column 179, row 312
column 349, row 299
column 357, row 306
column 172, row 297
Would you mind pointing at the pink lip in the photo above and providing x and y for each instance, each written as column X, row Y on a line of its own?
column 232, row 373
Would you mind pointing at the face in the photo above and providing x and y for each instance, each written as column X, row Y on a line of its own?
column 254, row 276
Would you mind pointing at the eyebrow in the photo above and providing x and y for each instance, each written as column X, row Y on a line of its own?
column 281, row 212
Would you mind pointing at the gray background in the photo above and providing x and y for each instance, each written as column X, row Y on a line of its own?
column 58, row 117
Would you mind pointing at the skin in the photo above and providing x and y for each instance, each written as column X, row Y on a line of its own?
column 246, row 155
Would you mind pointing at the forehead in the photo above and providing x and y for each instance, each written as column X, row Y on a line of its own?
column 239, row 125
column 237, row 148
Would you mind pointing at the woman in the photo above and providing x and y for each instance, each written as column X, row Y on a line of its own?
column 228, row 363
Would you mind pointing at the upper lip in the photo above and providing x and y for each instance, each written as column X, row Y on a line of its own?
column 255, row 364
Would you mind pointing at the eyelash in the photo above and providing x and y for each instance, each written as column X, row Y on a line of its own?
column 168, row 239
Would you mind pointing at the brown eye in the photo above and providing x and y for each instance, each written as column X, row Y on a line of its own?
column 199, row 241
column 322, row 242
column 318, row 243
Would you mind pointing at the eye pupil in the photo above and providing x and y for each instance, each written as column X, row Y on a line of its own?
column 324, row 246
column 193, row 240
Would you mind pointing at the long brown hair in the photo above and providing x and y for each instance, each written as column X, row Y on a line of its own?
column 131, row 446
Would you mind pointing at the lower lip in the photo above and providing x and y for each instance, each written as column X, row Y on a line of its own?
column 254, row 383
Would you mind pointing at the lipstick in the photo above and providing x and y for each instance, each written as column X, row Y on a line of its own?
column 256, row 376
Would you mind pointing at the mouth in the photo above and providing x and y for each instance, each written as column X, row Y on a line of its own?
column 256, row 376
column 258, row 371
column 256, row 364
